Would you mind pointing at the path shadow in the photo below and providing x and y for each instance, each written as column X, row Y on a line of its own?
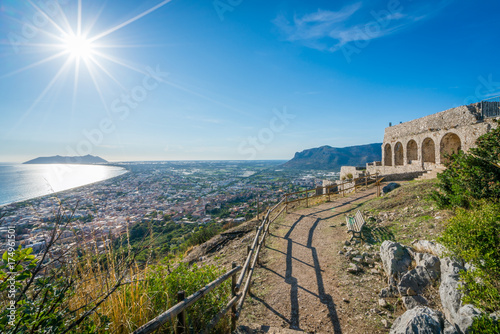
column 324, row 298
column 270, row 308
column 372, row 234
column 342, row 204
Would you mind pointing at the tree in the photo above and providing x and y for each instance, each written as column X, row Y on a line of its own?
column 472, row 176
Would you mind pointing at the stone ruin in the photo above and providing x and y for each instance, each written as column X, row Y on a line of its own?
column 415, row 147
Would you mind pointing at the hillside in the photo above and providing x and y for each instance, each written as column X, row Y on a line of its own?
column 87, row 159
column 303, row 282
column 332, row 158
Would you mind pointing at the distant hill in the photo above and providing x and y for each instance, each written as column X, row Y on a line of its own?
column 86, row 160
column 332, row 158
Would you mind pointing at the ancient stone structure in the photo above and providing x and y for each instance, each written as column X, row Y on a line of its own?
column 422, row 144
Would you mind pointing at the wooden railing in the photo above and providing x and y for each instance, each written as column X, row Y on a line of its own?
column 339, row 189
column 240, row 287
column 177, row 313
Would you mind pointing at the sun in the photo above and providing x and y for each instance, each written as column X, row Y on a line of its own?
column 81, row 49
column 78, row 46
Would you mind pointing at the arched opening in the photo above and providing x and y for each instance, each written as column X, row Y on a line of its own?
column 398, row 154
column 387, row 155
column 411, row 151
column 450, row 144
column 428, row 151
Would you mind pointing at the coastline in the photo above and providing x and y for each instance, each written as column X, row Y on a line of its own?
column 125, row 172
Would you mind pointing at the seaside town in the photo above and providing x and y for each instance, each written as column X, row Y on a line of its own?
column 181, row 192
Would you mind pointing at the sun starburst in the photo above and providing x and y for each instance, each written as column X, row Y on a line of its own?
column 79, row 48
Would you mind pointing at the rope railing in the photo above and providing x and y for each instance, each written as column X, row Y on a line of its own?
column 235, row 304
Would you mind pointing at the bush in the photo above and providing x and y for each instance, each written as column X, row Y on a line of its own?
column 474, row 236
column 472, row 176
column 41, row 302
column 484, row 325
column 163, row 286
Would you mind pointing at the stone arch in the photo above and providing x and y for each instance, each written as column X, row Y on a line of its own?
column 411, row 151
column 450, row 143
column 428, row 151
column 387, row 155
column 398, row 154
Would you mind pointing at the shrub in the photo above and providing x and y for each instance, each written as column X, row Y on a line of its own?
column 474, row 236
column 472, row 176
column 484, row 325
column 163, row 285
column 41, row 302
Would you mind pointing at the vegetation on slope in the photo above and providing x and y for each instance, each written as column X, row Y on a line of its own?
column 471, row 186
column 87, row 291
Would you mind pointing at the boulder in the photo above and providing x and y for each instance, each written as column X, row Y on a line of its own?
column 426, row 246
column 419, row 320
column 466, row 316
column 395, row 258
column 410, row 302
column 416, row 279
column 390, row 187
column 449, row 328
column 430, row 262
column 388, row 292
column 391, row 290
column 450, row 267
column 450, row 297
column 495, row 316
column 448, row 290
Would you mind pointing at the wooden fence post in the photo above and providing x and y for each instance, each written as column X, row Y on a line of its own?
column 233, row 308
column 258, row 207
column 286, row 203
column 307, row 199
column 257, row 231
column 181, row 318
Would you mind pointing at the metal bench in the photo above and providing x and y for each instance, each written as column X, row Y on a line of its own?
column 355, row 224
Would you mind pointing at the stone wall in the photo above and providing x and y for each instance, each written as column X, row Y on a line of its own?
column 354, row 171
column 422, row 144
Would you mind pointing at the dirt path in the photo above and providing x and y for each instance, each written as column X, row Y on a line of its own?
column 302, row 283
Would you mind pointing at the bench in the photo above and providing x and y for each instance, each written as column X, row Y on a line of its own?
column 355, row 225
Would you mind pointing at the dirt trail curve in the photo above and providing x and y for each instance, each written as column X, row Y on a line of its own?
column 301, row 283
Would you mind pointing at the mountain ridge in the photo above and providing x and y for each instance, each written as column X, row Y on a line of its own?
column 57, row 159
column 328, row 157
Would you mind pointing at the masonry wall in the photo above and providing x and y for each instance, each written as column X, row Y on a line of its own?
column 422, row 144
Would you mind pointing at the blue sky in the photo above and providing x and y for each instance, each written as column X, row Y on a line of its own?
column 233, row 79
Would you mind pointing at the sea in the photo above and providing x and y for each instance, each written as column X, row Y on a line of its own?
column 20, row 182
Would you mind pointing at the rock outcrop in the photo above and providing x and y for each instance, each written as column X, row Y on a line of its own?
column 390, row 187
column 449, row 289
column 410, row 284
column 419, row 320
column 395, row 258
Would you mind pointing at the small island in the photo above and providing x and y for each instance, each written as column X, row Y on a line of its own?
column 83, row 160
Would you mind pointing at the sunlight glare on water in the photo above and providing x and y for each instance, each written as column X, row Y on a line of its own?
column 21, row 182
